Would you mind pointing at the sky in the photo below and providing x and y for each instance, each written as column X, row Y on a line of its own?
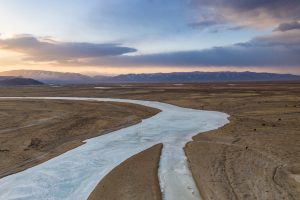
column 146, row 36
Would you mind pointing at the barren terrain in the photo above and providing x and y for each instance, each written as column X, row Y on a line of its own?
column 256, row 156
column 129, row 181
column 33, row 131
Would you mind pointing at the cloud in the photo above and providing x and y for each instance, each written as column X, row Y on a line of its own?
column 288, row 26
column 204, row 24
column 253, row 13
column 50, row 50
column 149, row 17
column 214, row 26
column 278, row 49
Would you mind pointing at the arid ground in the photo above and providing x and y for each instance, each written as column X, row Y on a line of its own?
column 33, row 131
column 256, row 156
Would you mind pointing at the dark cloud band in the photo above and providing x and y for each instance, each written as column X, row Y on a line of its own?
column 49, row 50
column 249, row 12
column 288, row 26
column 274, row 50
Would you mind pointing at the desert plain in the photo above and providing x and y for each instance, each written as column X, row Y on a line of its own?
column 255, row 156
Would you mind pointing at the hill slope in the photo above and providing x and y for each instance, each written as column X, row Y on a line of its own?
column 50, row 77
column 19, row 82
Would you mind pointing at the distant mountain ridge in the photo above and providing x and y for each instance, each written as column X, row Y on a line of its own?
column 19, row 82
column 50, row 77
column 6, row 77
column 189, row 77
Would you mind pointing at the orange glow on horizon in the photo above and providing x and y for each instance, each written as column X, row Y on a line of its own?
column 96, row 70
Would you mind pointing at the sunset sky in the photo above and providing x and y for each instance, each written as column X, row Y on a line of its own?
column 133, row 36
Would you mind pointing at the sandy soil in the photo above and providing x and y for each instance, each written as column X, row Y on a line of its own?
column 32, row 131
column 133, row 179
column 256, row 156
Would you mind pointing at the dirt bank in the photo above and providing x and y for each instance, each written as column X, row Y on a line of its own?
column 257, row 155
column 33, row 131
column 134, row 179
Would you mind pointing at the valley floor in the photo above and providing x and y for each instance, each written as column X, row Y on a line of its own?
column 256, row 156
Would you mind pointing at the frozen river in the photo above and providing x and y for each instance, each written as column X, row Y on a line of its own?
column 74, row 174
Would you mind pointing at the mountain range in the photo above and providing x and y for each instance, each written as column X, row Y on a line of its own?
column 190, row 77
column 12, row 81
column 50, row 77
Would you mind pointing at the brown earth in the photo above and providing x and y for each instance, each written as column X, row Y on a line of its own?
column 256, row 156
column 133, row 179
column 33, row 131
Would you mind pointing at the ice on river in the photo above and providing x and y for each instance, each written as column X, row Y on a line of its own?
column 74, row 174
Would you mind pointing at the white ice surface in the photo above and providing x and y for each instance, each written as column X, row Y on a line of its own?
column 74, row 174
column 104, row 88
